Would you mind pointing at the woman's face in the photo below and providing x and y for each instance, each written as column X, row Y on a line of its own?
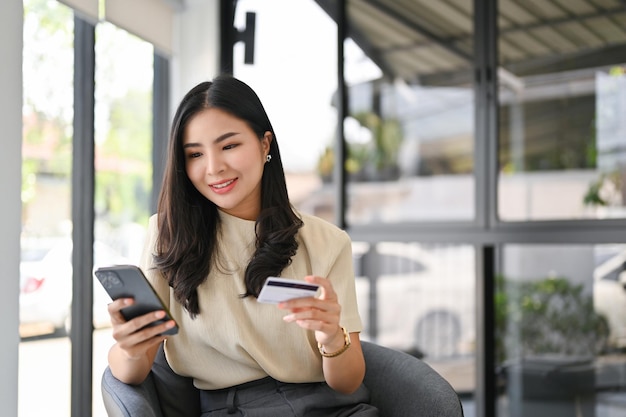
column 224, row 160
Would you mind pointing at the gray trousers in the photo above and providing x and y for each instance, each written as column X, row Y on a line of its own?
column 270, row 398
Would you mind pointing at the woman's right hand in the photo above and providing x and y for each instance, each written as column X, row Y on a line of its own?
column 131, row 358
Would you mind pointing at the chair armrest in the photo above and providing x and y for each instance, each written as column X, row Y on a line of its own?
column 402, row 385
column 163, row 393
column 123, row 400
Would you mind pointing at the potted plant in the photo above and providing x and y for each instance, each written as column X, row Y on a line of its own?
column 547, row 336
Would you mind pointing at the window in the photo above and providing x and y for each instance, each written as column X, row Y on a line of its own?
column 562, row 94
column 123, row 158
column 560, row 329
column 45, row 280
column 410, row 127
column 419, row 298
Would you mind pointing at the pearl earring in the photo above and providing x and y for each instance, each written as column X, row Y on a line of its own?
column 268, row 158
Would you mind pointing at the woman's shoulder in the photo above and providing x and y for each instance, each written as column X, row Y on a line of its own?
column 318, row 228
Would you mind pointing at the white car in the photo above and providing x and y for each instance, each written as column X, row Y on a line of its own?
column 46, row 286
column 424, row 299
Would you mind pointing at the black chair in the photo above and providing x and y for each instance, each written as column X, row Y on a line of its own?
column 400, row 385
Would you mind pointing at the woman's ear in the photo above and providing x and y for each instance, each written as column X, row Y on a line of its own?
column 266, row 141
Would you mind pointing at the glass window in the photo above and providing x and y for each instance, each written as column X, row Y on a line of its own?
column 45, row 268
column 410, row 129
column 562, row 100
column 297, row 92
column 561, row 330
column 123, row 158
column 420, row 299
column 123, row 117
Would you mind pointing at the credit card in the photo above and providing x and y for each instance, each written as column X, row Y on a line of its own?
column 276, row 290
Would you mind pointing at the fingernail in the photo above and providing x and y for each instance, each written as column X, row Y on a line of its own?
column 159, row 314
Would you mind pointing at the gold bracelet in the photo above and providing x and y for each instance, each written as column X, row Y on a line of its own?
column 346, row 341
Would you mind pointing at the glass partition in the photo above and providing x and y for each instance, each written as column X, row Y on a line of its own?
column 410, row 130
column 561, row 330
column 420, row 299
column 123, row 118
column 562, row 80
column 46, row 245
column 123, row 158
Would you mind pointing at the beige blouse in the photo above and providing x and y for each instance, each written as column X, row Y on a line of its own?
column 235, row 340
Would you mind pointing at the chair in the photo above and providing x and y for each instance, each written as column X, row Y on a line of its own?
column 400, row 385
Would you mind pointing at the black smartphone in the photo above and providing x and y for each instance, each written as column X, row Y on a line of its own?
column 121, row 281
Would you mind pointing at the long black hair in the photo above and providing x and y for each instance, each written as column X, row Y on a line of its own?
column 189, row 223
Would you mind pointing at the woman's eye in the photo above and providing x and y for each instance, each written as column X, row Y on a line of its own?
column 231, row 146
column 194, row 155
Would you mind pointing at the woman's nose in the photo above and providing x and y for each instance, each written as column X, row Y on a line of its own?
column 214, row 164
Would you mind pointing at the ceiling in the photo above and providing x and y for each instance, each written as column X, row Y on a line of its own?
column 430, row 42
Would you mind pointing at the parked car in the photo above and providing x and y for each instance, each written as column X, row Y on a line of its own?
column 46, row 285
column 424, row 299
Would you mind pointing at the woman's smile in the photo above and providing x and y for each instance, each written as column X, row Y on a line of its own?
column 224, row 186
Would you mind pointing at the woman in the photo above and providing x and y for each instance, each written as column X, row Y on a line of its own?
column 225, row 224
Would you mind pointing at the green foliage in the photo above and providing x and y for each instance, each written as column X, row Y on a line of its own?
column 387, row 138
column 375, row 160
column 599, row 191
column 592, row 196
column 130, row 135
column 549, row 316
column 53, row 15
column 124, row 180
column 123, row 191
column 29, row 181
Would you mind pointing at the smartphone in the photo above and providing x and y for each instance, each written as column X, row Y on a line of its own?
column 276, row 290
column 121, row 281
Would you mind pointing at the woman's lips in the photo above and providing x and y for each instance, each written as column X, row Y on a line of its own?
column 224, row 186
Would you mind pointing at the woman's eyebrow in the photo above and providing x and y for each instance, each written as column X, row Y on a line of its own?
column 225, row 136
column 219, row 139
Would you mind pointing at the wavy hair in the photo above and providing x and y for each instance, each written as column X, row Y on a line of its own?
column 189, row 223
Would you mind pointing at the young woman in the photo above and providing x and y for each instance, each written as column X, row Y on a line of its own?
column 224, row 224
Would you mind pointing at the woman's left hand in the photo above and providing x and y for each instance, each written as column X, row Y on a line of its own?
column 320, row 314
column 343, row 373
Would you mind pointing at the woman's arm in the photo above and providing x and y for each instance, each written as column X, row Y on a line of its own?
column 345, row 371
column 132, row 356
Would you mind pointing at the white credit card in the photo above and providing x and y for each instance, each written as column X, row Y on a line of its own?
column 276, row 290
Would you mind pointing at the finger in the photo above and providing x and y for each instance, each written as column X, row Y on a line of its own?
column 146, row 333
column 311, row 303
column 120, row 303
column 135, row 349
column 302, row 303
column 141, row 328
column 323, row 316
column 140, row 322
column 327, row 291
column 114, row 308
column 326, row 328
